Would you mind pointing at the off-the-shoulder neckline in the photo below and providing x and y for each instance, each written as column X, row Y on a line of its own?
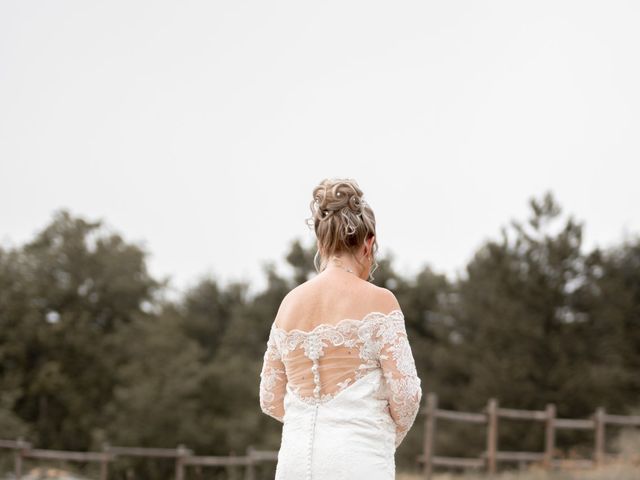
column 367, row 317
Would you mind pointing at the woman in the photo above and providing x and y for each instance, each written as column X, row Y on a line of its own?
column 338, row 370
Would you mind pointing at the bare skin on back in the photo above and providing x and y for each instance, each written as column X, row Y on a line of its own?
column 333, row 295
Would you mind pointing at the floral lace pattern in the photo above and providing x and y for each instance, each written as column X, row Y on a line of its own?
column 381, row 341
column 272, row 381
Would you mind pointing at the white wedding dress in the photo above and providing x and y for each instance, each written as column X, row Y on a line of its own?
column 346, row 394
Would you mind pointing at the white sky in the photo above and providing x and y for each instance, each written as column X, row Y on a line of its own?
column 201, row 128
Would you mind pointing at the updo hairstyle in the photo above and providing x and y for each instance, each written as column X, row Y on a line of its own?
column 342, row 220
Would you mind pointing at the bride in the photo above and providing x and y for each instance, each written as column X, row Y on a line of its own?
column 338, row 370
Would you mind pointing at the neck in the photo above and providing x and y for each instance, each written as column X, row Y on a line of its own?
column 345, row 263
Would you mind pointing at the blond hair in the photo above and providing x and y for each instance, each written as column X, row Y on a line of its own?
column 341, row 220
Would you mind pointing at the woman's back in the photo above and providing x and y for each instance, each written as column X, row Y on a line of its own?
column 329, row 297
column 338, row 370
column 322, row 322
column 339, row 373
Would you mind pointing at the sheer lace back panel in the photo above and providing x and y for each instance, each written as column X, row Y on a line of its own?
column 320, row 363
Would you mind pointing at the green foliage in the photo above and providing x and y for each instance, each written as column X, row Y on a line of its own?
column 63, row 295
column 91, row 353
column 532, row 326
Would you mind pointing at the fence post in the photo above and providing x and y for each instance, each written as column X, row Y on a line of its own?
column 250, row 473
column 492, row 434
column 429, row 434
column 550, row 436
column 17, row 457
column 182, row 452
column 104, row 463
column 599, row 437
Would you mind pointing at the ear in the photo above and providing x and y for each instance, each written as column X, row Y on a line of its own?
column 371, row 240
column 367, row 246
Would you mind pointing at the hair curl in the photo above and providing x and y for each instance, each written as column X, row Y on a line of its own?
column 341, row 219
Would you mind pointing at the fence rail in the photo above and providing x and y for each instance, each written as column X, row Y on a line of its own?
column 488, row 460
column 183, row 457
column 490, row 415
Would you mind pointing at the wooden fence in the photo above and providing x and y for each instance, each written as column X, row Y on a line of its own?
column 183, row 458
column 488, row 460
column 490, row 416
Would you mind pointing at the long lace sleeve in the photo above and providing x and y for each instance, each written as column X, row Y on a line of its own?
column 273, row 380
column 398, row 366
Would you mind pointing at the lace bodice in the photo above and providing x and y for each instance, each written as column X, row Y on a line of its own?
column 317, row 365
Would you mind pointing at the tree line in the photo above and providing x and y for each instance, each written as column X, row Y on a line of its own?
column 92, row 349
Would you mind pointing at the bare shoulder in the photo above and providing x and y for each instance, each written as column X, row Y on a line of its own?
column 290, row 301
column 296, row 294
column 384, row 300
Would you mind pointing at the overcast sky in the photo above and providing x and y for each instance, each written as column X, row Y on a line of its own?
column 200, row 128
